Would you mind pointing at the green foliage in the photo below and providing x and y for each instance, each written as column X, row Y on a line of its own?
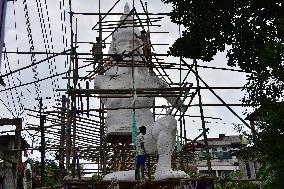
column 253, row 32
column 236, row 175
column 51, row 171
column 234, row 182
column 268, row 144
column 237, row 185
column 193, row 174
column 97, row 176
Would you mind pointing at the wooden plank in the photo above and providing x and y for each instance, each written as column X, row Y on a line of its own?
column 6, row 121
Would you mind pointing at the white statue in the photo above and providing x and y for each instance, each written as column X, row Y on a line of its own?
column 160, row 134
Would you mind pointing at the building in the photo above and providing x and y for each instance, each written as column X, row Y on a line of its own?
column 224, row 157
column 11, row 161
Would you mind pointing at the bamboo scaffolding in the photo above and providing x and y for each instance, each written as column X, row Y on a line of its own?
column 73, row 133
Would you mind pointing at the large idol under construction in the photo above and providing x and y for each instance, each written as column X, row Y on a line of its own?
column 160, row 134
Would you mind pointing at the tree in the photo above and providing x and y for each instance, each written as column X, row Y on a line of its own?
column 268, row 143
column 234, row 182
column 51, row 171
column 253, row 31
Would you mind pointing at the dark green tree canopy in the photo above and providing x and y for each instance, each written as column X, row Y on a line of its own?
column 246, row 25
column 253, row 31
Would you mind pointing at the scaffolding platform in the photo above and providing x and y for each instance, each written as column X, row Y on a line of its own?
column 207, row 182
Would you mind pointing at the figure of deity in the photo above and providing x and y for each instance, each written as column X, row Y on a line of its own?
column 160, row 135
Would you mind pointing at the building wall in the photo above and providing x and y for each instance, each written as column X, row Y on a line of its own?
column 8, row 171
column 223, row 159
column 4, row 151
column 249, row 169
column 8, row 177
column 223, row 152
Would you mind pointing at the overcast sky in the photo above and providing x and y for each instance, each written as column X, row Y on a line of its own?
column 46, row 29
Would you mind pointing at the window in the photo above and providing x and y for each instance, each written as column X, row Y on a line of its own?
column 255, row 168
column 202, row 156
column 248, row 170
column 219, row 173
column 219, row 155
column 224, row 173
column 204, row 173
column 227, row 155
column 227, row 173
column 190, row 158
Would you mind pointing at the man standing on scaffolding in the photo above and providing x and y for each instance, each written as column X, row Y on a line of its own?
column 97, row 52
column 141, row 152
column 145, row 38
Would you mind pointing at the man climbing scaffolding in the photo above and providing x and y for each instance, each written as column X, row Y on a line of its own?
column 97, row 52
column 114, row 59
column 110, row 61
column 140, row 157
column 145, row 38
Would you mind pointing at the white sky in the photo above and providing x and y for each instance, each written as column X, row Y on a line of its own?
column 13, row 98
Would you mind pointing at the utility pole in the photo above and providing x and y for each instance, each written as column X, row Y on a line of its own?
column 42, row 150
column 42, row 137
column 62, row 137
column 42, row 141
column 204, row 129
